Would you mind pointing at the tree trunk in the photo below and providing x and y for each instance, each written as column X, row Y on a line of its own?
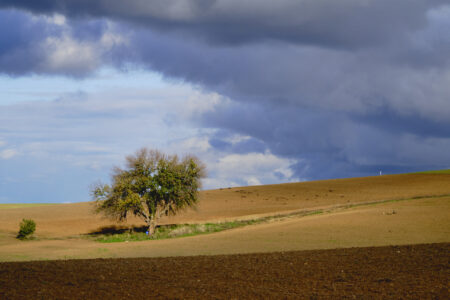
column 151, row 226
column 153, row 220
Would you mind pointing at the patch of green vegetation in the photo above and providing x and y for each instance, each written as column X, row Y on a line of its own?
column 23, row 205
column 184, row 230
column 20, row 256
column 173, row 231
column 26, row 230
column 447, row 171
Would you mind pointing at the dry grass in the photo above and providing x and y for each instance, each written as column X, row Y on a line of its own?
column 23, row 205
column 415, row 221
column 238, row 203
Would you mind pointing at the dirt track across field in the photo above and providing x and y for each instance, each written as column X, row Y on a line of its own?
column 418, row 221
column 395, row 272
column 234, row 203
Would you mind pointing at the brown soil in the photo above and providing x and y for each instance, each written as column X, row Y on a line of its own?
column 244, row 202
column 395, row 272
column 418, row 221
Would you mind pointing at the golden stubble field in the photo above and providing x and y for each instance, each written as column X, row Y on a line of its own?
column 423, row 216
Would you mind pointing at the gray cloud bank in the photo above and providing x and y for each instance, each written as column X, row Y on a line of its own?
column 344, row 87
column 324, row 22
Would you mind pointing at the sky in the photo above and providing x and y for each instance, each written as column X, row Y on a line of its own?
column 261, row 91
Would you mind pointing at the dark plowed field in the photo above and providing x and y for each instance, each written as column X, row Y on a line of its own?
column 417, row 272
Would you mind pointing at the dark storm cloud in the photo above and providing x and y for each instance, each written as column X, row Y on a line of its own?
column 333, row 144
column 18, row 37
column 346, row 23
column 308, row 77
column 223, row 141
column 43, row 45
column 388, row 120
column 345, row 87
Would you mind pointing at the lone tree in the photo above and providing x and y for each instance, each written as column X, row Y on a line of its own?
column 152, row 185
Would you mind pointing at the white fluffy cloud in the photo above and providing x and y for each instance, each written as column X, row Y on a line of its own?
column 67, row 54
column 289, row 89
column 81, row 136
column 7, row 153
column 250, row 169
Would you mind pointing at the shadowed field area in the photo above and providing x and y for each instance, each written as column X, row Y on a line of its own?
column 423, row 216
column 414, row 221
column 396, row 272
column 407, row 218
column 237, row 203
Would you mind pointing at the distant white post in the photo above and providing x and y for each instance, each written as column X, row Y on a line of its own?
column 380, row 172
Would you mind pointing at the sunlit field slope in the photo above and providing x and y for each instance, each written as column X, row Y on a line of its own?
column 371, row 211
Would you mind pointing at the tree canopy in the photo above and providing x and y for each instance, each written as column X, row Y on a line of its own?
column 151, row 185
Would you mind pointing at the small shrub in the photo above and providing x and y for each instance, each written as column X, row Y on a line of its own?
column 27, row 228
